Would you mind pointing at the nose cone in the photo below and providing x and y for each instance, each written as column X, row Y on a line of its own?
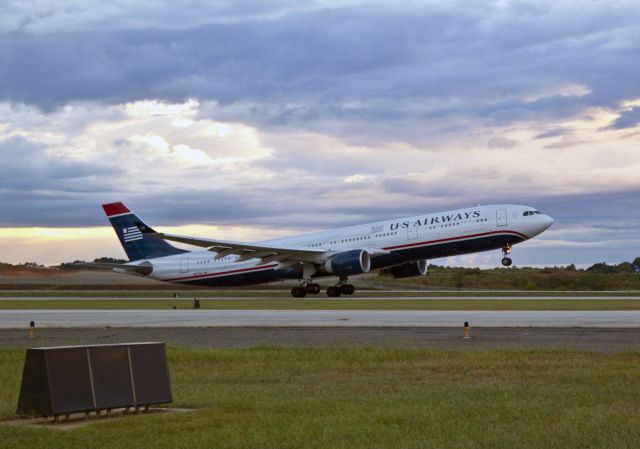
column 532, row 222
column 545, row 222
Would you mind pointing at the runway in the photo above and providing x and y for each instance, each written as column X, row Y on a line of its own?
column 13, row 319
column 441, row 338
column 355, row 299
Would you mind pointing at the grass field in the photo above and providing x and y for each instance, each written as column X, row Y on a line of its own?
column 620, row 278
column 368, row 398
column 280, row 300
column 327, row 304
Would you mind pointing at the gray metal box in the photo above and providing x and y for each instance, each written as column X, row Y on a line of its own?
column 68, row 379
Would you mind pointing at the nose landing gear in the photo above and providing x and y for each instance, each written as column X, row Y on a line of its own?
column 506, row 260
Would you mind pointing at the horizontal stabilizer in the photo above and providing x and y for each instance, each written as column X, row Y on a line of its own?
column 144, row 268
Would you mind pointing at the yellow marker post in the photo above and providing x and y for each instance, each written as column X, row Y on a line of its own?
column 32, row 329
column 466, row 330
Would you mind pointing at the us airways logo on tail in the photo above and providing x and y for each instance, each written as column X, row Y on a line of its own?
column 131, row 234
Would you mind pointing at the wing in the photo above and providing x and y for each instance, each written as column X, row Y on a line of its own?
column 247, row 251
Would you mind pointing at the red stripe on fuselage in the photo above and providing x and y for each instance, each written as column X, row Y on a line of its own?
column 115, row 209
column 241, row 270
column 431, row 242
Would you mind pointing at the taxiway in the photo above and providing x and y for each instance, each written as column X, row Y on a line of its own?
column 315, row 318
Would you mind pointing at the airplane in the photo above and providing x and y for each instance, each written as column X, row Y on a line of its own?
column 402, row 246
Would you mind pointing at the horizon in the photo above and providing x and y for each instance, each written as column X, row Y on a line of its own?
column 441, row 263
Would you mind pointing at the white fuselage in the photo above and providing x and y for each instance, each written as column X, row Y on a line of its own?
column 392, row 242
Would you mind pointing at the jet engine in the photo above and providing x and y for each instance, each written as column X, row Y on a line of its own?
column 348, row 263
column 407, row 270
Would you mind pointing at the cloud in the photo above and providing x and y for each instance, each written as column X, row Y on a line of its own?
column 39, row 18
column 555, row 132
column 174, row 158
column 501, row 142
column 332, row 68
column 627, row 119
column 27, row 164
column 277, row 114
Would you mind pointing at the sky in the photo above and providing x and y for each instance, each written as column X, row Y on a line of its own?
column 257, row 119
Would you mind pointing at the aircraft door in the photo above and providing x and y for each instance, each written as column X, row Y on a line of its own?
column 412, row 233
column 501, row 217
column 184, row 264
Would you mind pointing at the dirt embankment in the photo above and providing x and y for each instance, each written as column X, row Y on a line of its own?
column 45, row 279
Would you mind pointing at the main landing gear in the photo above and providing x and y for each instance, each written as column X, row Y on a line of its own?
column 342, row 288
column 301, row 291
column 506, row 260
column 306, row 285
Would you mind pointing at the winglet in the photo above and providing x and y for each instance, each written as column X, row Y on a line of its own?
column 112, row 209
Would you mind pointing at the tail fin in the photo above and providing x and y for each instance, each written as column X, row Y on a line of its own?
column 130, row 229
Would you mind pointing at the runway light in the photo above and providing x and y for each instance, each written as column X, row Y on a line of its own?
column 466, row 330
column 32, row 329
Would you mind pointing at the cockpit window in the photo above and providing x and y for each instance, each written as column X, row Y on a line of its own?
column 531, row 212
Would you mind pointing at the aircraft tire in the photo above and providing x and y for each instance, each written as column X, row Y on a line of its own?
column 333, row 292
column 347, row 289
column 298, row 292
column 313, row 289
column 506, row 261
